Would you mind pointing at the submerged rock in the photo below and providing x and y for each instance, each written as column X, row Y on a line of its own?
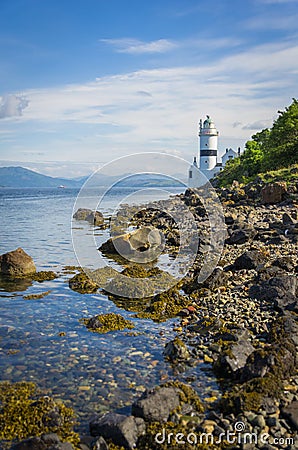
column 17, row 263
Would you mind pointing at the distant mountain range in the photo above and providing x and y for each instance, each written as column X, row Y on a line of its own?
column 19, row 177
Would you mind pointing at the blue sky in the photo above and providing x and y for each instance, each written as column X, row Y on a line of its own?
column 86, row 81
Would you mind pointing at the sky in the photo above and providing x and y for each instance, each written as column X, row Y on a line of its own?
column 83, row 82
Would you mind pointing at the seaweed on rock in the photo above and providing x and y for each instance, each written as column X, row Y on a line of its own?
column 103, row 323
column 23, row 414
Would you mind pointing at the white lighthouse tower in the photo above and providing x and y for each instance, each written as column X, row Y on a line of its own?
column 208, row 144
column 207, row 155
column 209, row 167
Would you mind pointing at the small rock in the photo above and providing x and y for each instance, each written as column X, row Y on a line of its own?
column 176, row 350
column 259, row 421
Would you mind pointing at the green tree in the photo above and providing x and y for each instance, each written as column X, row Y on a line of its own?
column 281, row 148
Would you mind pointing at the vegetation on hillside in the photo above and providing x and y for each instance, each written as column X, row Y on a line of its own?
column 269, row 150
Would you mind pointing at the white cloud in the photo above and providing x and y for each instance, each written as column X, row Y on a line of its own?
column 136, row 47
column 121, row 118
column 12, row 105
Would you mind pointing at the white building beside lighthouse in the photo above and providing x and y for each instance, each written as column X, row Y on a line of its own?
column 208, row 149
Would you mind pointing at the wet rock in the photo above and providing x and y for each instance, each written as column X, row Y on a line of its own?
column 94, row 217
column 273, row 192
column 17, row 263
column 122, row 430
column 234, row 357
column 46, row 441
column 156, row 404
column 176, row 350
column 251, row 259
column 290, row 413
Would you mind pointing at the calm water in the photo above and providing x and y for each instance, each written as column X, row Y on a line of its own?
column 42, row 340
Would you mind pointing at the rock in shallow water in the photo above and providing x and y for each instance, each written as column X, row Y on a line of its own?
column 17, row 263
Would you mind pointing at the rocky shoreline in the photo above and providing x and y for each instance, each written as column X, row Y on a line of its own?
column 241, row 321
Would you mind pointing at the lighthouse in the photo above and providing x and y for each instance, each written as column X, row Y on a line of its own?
column 208, row 144
column 208, row 148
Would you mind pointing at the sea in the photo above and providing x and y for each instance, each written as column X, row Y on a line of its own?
column 43, row 340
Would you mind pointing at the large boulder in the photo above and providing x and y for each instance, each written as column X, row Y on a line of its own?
column 273, row 192
column 17, row 263
column 122, row 430
column 142, row 244
column 156, row 404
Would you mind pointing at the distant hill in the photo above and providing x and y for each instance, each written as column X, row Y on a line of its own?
column 19, row 177
column 135, row 180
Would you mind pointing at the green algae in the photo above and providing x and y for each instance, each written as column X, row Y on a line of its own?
column 24, row 414
column 103, row 323
column 165, row 306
